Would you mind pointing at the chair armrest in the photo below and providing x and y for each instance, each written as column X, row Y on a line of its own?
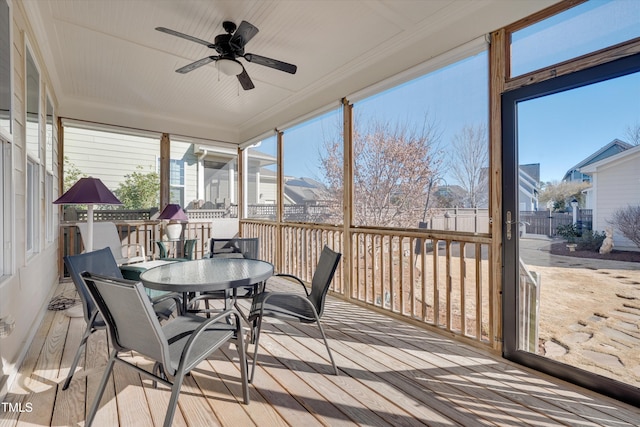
column 295, row 278
column 197, row 334
column 138, row 251
column 171, row 295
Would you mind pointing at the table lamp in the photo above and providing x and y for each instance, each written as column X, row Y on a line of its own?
column 88, row 191
column 175, row 214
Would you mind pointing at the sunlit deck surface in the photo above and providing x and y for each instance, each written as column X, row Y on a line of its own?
column 391, row 374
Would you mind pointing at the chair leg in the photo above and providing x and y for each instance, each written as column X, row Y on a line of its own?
column 326, row 343
column 173, row 401
column 255, row 349
column 101, row 387
column 242, row 354
column 76, row 358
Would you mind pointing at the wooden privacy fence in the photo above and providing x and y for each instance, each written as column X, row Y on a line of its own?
column 546, row 223
column 140, row 232
column 429, row 277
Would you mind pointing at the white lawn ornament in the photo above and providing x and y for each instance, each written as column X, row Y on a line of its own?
column 607, row 243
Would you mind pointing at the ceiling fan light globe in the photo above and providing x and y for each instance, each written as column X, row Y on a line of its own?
column 230, row 67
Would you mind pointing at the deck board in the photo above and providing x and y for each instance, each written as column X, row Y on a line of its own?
column 391, row 374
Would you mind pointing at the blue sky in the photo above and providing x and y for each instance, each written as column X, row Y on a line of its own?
column 557, row 131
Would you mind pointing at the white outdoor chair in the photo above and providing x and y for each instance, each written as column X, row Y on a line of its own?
column 105, row 234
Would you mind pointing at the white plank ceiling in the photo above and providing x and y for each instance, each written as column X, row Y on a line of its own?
column 107, row 63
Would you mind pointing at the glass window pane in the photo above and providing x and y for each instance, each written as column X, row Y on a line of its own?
column 583, row 29
column 261, row 193
column 421, row 151
column 49, row 207
column 5, row 191
column 585, row 145
column 50, row 138
column 33, row 215
column 313, row 169
column 5, row 68
column 33, row 108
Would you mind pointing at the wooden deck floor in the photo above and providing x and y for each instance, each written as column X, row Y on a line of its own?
column 392, row 374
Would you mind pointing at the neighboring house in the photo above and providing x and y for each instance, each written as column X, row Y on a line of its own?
column 529, row 177
column 577, row 174
column 615, row 184
column 303, row 191
column 206, row 174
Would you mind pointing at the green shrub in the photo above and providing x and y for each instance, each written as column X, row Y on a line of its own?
column 569, row 231
column 590, row 241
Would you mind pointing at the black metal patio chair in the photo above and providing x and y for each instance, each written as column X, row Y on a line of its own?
column 306, row 308
column 103, row 262
column 236, row 247
column 176, row 348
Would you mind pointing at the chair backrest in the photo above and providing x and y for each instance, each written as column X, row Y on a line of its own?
column 190, row 249
column 249, row 247
column 97, row 262
column 130, row 319
column 322, row 277
column 162, row 250
column 105, row 235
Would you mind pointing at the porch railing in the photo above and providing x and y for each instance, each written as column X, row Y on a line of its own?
column 430, row 277
column 140, row 232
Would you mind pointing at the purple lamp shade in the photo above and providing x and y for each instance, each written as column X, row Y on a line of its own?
column 88, row 191
column 173, row 212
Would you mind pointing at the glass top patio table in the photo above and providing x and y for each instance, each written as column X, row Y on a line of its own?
column 206, row 275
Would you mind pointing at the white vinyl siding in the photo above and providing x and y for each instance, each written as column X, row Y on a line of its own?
column 616, row 185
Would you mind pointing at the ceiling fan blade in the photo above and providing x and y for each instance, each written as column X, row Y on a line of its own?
column 273, row 63
column 243, row 34
column 184, row 36
column 245, row 80
column 194, row 65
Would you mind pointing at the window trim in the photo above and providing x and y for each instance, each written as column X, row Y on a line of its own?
column 579, row 63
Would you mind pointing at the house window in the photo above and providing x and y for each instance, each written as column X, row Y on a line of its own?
column 32, row 196
column 586, row 28
column 50, row 140
column 49, row 208
column 33, row 108
column 176, row 181
column 5, row 207
column 5, row 68
column 50, row 168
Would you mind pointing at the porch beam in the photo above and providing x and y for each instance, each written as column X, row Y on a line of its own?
column 498, row 69
column 165, row 156
column 280, row 211
column 347, row 196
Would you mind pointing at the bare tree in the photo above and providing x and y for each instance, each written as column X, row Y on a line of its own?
column 627, row 220
column 469, row 163
column 393, row 167
column 633, row 134
column 560, row 193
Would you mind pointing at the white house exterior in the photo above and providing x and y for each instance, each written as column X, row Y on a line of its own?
column 615, row 185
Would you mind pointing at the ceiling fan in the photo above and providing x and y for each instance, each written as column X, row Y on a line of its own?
column 230, row 46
